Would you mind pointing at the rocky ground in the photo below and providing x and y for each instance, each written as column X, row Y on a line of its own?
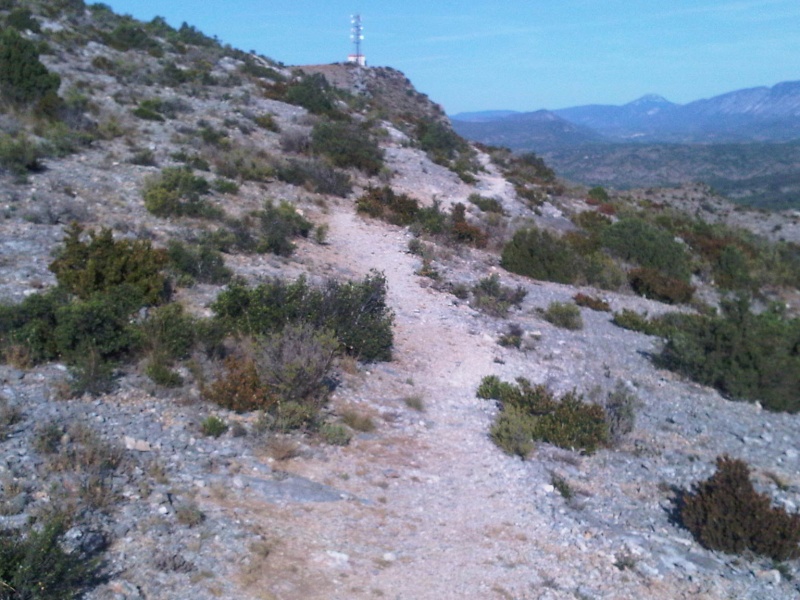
column 425, row 506
column 422, row 507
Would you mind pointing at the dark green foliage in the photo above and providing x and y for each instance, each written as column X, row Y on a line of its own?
column 19, row 155
column 439, row 141
column 489, row 296
column 30, row 325
column 225, row 186
column 316, row 176
column 314, row 93
column 346, row 145
column 177, row 192
column 169, row 333
column 127, row 36
column 202, row 263
column 101, row 324
column 486, row 204
column 743, row 355
column 21, row 19
column 649, row 246
column 24, row 80
column 189, row 34
column 541, row 255
column 530, row 413
column 163, row 375
column 278, row 225
column 726, row 513
column 35, row 567
column 383, row 203
column 213, row 426
column 563, row 314
column 653, row 284
column 598, row 194
column 102, row 263
column 356, row 312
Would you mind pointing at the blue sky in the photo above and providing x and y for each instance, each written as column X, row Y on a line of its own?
column 522, row 55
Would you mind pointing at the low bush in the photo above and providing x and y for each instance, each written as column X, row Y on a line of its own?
column 239, row 387
column 742, row 354
column 295, row 363
column 486, row 204
column 564, row 315
column 213, row 426
column 278, row 225
column 532, row 413
column 649, row 246
column 653, row 284
column 494, row 299
column 314, row 93
column 383, row 203
column 726, row 513
column 591, row 302
column 620, row 409
column 101, row 263
column 356, row 312
column 335, row 434
column 541, row 255
column 347, row 145
column 316, row 176
column 177, row 192
column 202, row 263
column 463, row 232
column 35, row 565
column 24, row 80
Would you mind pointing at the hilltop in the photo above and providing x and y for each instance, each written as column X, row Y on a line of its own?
column 269, row 331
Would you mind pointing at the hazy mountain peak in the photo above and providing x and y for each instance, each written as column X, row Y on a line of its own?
column 648, row 99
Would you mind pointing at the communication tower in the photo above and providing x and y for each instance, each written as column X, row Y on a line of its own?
column 357, row 35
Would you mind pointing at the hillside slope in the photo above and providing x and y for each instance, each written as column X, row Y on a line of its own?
column 395, row 488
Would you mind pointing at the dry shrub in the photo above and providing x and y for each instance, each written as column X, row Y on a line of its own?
column 726, row 513
column 591, row 302
column 240, row 388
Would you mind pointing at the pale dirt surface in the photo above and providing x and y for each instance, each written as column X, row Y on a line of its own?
column 440, row 511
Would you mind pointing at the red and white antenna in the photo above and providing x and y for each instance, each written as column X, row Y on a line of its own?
column 356, row 36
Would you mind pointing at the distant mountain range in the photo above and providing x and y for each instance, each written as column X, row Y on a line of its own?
column 761, row 114
column 745, row 143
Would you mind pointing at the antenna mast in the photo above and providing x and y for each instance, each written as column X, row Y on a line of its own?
column 357, row 35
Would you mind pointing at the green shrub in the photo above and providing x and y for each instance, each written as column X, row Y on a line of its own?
column 541, row 255
column 278, row 225
column 24, row 80
column 163, row 375
column 177, row 192
column 630, row 319
column 19, row 155
column 213, row 426
column 202, row 263
column 21, row 19
column 726, row 513
column 598, row 194
column 494, row 299
column 314, row 93
column 653, row 284
column 356, row 312
column 486, row 204
column 101, row 323
column 127, row 36
column 30, row 325
column 267, row 121
column 383, row 203
column 169, row 333
column 564, row 315
column 316, row 176
column 649, row 246
column 225, row 186
column 335, row 434
column 743, row 355
column 102, row 263
column 36, row 566
column 347, row 145
column 529, row 413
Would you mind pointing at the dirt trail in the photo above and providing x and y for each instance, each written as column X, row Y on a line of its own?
column 442, row 514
